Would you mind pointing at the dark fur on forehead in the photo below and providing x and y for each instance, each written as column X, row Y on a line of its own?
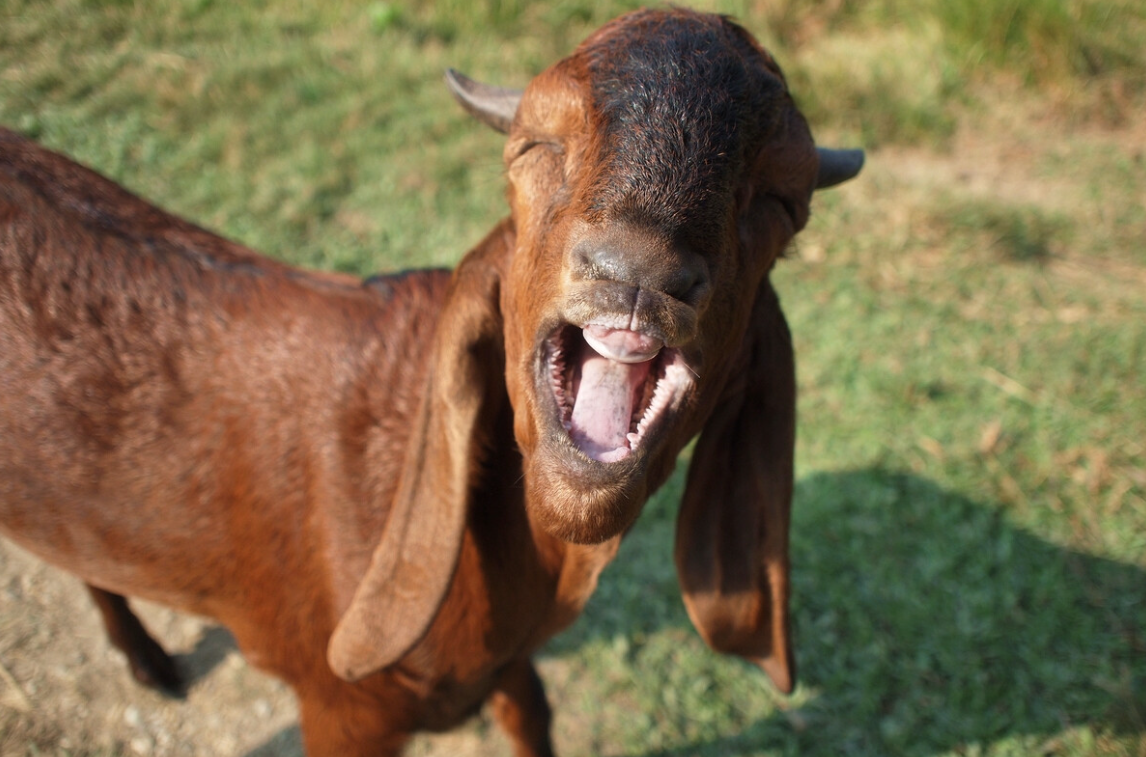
column 683, row 99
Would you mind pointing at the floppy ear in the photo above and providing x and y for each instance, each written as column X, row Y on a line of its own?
column 413, row 565
column 732, row 530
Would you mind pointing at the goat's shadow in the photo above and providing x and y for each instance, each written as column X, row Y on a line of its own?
column 212, row 647
column 285, row 743
column 924, row 623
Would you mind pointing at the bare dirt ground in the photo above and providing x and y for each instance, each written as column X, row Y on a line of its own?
column 65, row 691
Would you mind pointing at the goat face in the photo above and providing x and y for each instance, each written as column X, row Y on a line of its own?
column 654, row 177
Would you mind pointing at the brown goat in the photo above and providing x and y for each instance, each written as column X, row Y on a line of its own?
column 393, row 491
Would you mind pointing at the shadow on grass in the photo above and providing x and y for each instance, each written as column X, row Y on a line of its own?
column 924, row 623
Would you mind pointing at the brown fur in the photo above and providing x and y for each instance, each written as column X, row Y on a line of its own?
column 375, row 473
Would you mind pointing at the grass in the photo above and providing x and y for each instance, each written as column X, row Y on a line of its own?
column 970, row 527
column 901, row 71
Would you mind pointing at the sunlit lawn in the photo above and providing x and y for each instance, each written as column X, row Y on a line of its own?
column 969, row 541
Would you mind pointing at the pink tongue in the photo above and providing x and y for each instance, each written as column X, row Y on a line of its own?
column 603, row 410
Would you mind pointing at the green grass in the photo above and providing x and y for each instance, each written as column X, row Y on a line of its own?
column 969, row 538
column 898, row 71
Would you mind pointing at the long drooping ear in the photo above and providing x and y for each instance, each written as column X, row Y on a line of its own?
column 493, row 106
column 413, row 565
column 732, row 530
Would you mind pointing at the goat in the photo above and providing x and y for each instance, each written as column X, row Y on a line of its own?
column 394, row 491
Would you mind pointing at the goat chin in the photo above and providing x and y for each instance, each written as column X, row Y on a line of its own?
column 393, row 491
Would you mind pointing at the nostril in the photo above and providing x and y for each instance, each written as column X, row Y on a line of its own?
column 678, row 273
column 593, row 263
column 698, row 289
column 680, row 281
column 685, row 278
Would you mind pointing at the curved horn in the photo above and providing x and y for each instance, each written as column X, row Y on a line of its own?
column 837, row 166
column 493, row 106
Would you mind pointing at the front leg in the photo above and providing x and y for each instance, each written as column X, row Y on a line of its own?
column 519, row 706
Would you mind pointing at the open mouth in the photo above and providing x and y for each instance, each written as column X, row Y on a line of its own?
column 613, row 387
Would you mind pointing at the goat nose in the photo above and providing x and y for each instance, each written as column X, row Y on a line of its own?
column 681, row 274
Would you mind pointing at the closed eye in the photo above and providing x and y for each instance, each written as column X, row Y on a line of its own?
column 528, row 145
column 790, row 208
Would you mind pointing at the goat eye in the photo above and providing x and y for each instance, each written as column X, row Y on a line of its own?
column 539, row 164
column 785, row 206
column 531, row 145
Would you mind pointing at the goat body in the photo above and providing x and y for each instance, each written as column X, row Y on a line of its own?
column 393, row 491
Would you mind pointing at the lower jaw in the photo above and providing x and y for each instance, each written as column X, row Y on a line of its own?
column 579, row 508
